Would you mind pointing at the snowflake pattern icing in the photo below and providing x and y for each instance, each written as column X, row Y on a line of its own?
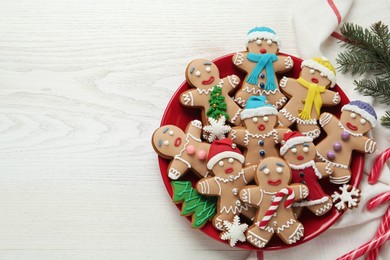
column 216, row 129
column 234, row 231
column 349, row 197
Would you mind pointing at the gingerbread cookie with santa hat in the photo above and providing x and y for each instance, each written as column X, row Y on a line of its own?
column 345, row 136
column 262, row 62
column 259, row 136
column 299, row 152
column 308, row 94
column 225, row 162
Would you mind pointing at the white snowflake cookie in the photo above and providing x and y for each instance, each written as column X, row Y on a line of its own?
column 348, row 198
column 234, row 231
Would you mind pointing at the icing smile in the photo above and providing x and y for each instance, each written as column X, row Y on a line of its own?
column 209, row 81
column 351, row 126
column 274, row 183
column 314, row 80
column 229, row 170
column 300, row 157
column 261, row 127
column 177, row 142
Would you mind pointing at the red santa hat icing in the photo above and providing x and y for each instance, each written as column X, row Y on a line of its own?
column 293, row 138
column 224, row 148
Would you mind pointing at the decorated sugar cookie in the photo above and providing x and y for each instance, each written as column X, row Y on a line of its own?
column 344, row 136
column 299, row 152
column 308, row 94
column 258, row 136
column 211, row 94
column 225, row 161
column 273, row 196
column 186, row 149
column 261, row 62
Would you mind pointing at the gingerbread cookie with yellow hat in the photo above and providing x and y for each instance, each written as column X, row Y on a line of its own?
column 308, row 94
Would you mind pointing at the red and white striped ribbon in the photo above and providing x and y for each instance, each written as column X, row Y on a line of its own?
column 275, row 204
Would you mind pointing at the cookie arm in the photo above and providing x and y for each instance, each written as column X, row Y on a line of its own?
column 301, row 191
column 230, row 83
column 327, row 120
column 189, row 98
column 283, row 64
column 325, row 168
column 330, row 98
column 365, row 145
column 249, row 173
column 209, row 186
column 252, row 195
column 288, row 85
column 177, row 168
column 237, row 135
column 194, row 128
column 281, row 131
column 239, row 59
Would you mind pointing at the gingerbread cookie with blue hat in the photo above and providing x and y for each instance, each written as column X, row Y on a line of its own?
column 344, row 136
column 262, row 62
column 225, row 162
column 259, row 136
column 308, row 94
column 211, row 95
column 300, row 153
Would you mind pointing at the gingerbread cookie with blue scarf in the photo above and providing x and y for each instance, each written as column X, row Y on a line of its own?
column 261, row 62
column 308, row 94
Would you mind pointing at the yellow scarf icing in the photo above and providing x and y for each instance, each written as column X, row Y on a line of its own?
column 313, row 97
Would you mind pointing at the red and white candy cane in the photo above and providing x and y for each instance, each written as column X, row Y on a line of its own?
column 275, row 204
column 378, row 165
column 378, row 200
column 378, row 241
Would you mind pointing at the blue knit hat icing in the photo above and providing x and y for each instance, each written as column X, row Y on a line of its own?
column 363, row 109
column 258, row 106
column 262, row 32
column 261, row 29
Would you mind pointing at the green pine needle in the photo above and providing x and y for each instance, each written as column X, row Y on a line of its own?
column 368, row 50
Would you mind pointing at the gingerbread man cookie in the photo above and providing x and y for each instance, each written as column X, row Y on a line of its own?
column 185, row 148
column 308, row 94
column 259, row 136
column 261, row 61
column 211, row 93
column 274, row 196
column 344, row 136
column 299, row 152
column 225, row 160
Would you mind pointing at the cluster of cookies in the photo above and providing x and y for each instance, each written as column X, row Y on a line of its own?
column 244, row 150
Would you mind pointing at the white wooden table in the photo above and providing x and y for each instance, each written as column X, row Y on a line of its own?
column 83, row 84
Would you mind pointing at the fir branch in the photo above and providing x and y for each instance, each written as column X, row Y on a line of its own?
column 375, row 87
column 385, row 120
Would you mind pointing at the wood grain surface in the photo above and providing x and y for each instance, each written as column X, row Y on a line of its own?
column 83, row 84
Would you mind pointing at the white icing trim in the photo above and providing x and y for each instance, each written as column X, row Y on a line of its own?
column 197, row 124
column 260, row 111
column 248, row 135
column 233, row 80
column 325, row 119
column 239, row 58
column 240, row 101
column 227, row 154
column 234, row 209
column 361, row 112
column 263, row 35
column 315, row 65
column 324, row 209
column 280, row 102
column 345, row 129
column 296, row 235
column 309, row 164
column 205, row 91
column 188, row 98
column 338, row 165
column 310, row 202
column 177, row 157
column 313, row 133
column 369, row 146
column 288, row 62
column 236, row 115
column 283, row 82
column 256, row 240
column 292, row 118
column 286, row 225
column 226, row 180
column 173, row 174
column 255, row 91
column 233, row 134
column 336, row 98
column 294, row 141
column 339, row 180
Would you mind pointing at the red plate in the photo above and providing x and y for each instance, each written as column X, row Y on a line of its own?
column 178, row 115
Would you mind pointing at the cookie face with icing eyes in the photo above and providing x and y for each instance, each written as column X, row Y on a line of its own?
column 168, row 141
column 227, row 167
column 261, row 124
column 300, row 153
column 315, row 76
column 273, row 174
column 263, row 46
column 354, row 122
column 202, row 74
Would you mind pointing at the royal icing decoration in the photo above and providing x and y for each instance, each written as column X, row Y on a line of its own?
column 234, row 231
column 347, row 199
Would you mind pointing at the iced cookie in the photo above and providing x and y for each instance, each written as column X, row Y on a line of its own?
column 299, row 152
column 225, row 161
column 261, row 62
column 273, row 196
column 186, row 149
column 344, row 136
column 259, row 136
column 308, row 94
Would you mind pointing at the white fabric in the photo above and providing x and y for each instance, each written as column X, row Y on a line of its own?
column 314, row 22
